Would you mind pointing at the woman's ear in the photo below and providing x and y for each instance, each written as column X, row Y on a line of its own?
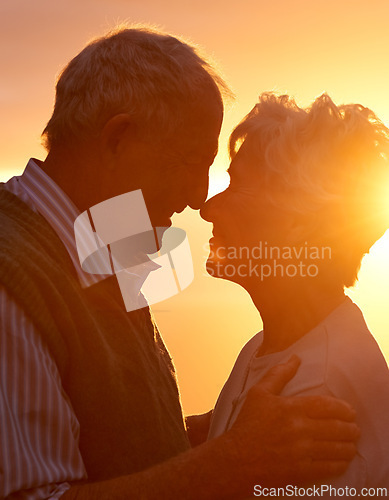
column 115, row 133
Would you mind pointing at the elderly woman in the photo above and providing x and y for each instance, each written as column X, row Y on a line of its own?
column 306, row 201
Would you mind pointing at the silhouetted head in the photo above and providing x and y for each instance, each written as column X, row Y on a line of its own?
column 149, row 108
column 304, row 179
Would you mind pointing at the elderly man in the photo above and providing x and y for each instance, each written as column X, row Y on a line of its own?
column 89, row 402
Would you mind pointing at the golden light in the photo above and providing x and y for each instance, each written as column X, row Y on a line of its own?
column 301, row 48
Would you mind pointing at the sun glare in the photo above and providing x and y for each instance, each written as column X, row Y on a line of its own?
column 7, row 173
column 372, row 290
column 218, row 182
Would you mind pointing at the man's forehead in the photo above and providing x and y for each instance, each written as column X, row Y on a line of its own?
column 205, row 113
column 202, row 125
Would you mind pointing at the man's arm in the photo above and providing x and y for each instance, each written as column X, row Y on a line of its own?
column 274, row 441
column 39, row 431
column 45, row 451
column 197, row 427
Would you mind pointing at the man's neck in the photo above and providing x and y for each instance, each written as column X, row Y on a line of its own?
column 72, row 173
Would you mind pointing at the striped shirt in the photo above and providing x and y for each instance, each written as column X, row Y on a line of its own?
column 39, row 432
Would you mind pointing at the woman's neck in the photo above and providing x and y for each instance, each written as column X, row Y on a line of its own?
column 289, row 310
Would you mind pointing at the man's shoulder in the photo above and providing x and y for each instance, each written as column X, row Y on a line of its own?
column 25, row 236
column 18, row 222
column 16, row 240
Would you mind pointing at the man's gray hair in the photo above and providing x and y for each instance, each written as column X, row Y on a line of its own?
column 326, row 166
column 150, row 75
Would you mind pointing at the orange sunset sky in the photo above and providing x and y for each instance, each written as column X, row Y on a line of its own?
column 301, row 47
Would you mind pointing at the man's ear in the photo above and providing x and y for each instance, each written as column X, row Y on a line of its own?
column 115, row 132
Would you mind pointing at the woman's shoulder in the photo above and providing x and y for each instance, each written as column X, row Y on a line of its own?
column 351, row 349
column 343, row 359
column 250, row 348
column 355, row 363
column 338, row 354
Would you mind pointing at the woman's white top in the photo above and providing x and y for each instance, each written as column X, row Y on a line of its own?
column 340, row 358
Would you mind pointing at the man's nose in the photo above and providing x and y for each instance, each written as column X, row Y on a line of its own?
column 199, row 194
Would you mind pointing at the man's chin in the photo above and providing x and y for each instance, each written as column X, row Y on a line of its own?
column 215, row 268
column 162, row 223
column 224, row 269
column 211, row 269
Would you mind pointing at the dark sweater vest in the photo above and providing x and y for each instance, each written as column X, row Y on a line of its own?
column 113, row 364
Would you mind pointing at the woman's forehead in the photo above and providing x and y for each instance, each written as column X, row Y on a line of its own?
column 245, row 163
